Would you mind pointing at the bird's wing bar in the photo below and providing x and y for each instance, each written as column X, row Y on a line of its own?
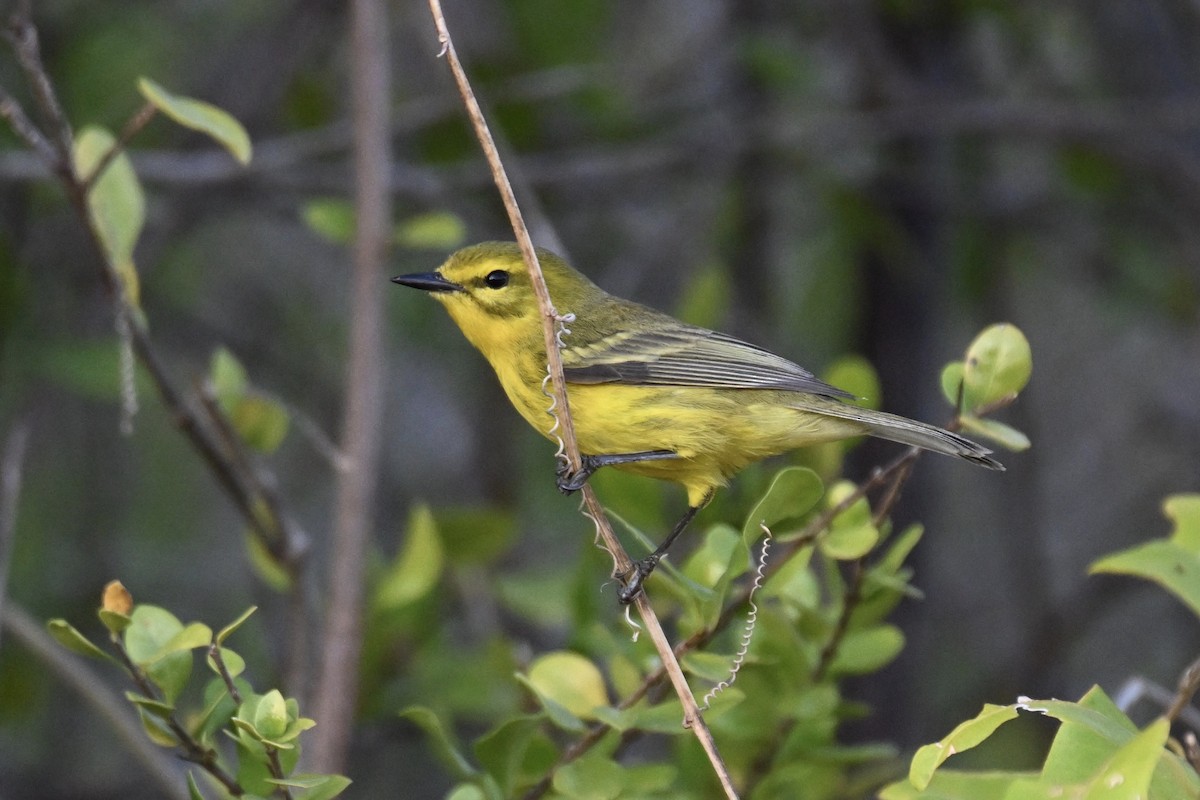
column 682, row 355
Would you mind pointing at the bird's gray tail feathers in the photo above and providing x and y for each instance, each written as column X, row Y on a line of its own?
column 909, row 431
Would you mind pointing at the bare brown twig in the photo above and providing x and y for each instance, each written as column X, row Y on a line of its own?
column 550, row 319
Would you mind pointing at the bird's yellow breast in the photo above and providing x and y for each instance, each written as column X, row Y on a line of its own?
column 715, row 432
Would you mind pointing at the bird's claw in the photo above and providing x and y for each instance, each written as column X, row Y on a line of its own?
column 636, row 575
column 570, row 480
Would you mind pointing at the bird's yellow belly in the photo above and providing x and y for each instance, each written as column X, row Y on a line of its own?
column 714, row 432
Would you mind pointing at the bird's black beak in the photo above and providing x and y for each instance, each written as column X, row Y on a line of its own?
column 429, row 281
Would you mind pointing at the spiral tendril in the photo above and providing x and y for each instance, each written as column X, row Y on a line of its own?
column 751, row 622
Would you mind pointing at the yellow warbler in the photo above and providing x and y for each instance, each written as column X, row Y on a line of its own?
column 649, row 394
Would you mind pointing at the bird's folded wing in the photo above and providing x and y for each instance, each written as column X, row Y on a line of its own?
column 683, row 355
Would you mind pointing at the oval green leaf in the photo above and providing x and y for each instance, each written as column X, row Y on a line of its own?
column 570, row 680
column 151, row 627
column 1006, row 436
column 964, row 737
column 417, row 567
column 998, row 364
column 116, row 204
column 270, row 716
column 437, row 230
column 225, row 632
column 793, row 493
column 200, row 116
column 65, row 634
column 865, row 651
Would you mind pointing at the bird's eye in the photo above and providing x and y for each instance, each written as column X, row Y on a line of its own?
column 496, row 279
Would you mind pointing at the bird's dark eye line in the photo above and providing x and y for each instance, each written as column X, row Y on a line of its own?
column 496, row 279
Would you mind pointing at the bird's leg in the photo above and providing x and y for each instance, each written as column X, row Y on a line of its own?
column 641, row 570
column 571, row 481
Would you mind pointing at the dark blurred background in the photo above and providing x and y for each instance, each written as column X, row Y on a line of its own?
column 823, row 178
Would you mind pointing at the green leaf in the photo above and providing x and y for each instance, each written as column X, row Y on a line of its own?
column 865, row 651
column 156, row 730
column 234, row 664
column 592, row 777
column 170, row 673
column 793, row 493
column 331, row 218
column 570, row 680
column 116, row 622
column 270, row 715
column 857, row 376
column 197, row 115
column 502, row 751
column 848, row 542
column 967, row 735
column 65, row 634
column 441, row 739
column 950, row 784
column 437, row 230
column 417, row 567
column 228, row 630
column 317, row 787
column 116, row 203
column 195, row 634
column 268, row 569
column 228, row 378
column 1081, row 745
column 1127, row 774
column 262, row 423
column 1006, row 436
column 155, row 707
column 1173, row 563
column 998, row 364
column 193, row 789
column 951, row 381
column 151, row 628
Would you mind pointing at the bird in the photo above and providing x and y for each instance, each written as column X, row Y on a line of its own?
column 649, row 394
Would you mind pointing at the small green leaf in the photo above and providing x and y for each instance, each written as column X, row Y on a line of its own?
column 857, row 376
column 269, row 570
column 417, row 567
column 437, row 230
column 1173, row 563
column 592, row 777
column 865, row 651
column 848, row 542
column 261, row 422
column 151, row 706
column 234, row 664
column 502, row 751
column 570, row 680
column 116, row 203
column 1006, row 436
column 197, row 115
column 1127, row 774
column 967, row 735
column 193, row 789
column 330, row 218
column 951, row 381
column 792, row 494
column 150, row 629
column 270, row 715
column 156, row 730
column 195, row 634
column 65, row 634
column 114, row 621
column 317, row 787
column 441, row 739
column 228, row 378
column 228, row 630
column 998, row 364
column 170, row 673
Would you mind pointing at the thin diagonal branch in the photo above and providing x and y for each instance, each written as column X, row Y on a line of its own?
column 566, row 429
